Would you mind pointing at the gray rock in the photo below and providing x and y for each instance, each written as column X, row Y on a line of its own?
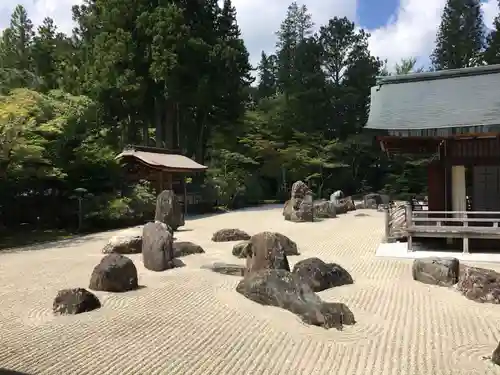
column 371, row 204
column 320, row 275
column 183, row 248
column 243, row 248
column 266, row 250
column 227, row 269
column 169, row 210
column 157, row 247
column 495, row 357
column 123, row 244
column 74, row 301
column 230, row 234
column 300, row 207
column 115, row 273
column 480, row 284
column 280, row 288
column 436, row 271
column 240, row 249
column 324, row 209
column 360, row 205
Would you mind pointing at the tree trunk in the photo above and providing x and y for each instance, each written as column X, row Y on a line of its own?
column 158, row 124
column 168, row 128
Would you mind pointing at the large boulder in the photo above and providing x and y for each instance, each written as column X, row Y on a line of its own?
column 300, row 207
column 123, row 244
column 480, row 284
column 230, row 234
column 183, row 248
column 169, row 210
column 243, row 248
column 157, row 247
column 280, row 288
column 371, row 204
column 320, row 275
column 324, row 209
column 349, row 202
column 115, row 273
column 373, row 197
column 345, row 205
column 289, row 246
column 288, row 210
column 74, row 301
column 240, row 249
column 266, row 250
column 495, row 357
column 436, row 271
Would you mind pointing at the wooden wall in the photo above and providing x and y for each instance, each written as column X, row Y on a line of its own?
column 436, row 174
column 476, row 151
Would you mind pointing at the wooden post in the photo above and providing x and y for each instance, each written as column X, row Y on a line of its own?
column 409, row 217
column 185, row 194
column 409, row 223
column 387, row 224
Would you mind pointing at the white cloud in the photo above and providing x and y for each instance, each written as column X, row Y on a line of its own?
column 58, row 10
column 260, row 19
column 410, row 32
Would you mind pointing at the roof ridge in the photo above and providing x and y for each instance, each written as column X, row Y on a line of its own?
column 439, row 74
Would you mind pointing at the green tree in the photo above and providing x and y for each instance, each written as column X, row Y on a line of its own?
column 492, row 52
column 407, row 66
column 460, row 39
column 267, row 76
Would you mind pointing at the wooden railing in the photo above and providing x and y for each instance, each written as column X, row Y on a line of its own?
column 452, row 224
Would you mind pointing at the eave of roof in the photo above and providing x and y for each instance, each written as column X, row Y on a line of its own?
column 439, row 74
column 170, row 162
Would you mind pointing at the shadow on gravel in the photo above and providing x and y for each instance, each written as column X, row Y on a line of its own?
column 11, row 372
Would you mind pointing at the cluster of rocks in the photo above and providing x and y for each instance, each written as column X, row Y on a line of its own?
column 302, row 208
column 268, row 279
column 477, row 284
column 117, row 273
column 374, row 201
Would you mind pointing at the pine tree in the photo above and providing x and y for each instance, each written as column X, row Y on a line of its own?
column 460, row 39
column 45, row 60
column 296, row 27
column 267, row 76
column 17, row 41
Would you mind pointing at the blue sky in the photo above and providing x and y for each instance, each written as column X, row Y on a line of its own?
column 374, row 14
column 399, row 28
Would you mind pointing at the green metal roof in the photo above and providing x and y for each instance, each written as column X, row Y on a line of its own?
column 452, row 98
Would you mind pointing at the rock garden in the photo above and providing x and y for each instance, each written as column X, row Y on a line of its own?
column 266, row 278
column 477, row 284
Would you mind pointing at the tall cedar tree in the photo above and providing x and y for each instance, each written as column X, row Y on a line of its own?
column 460, row 39
column 267, row 76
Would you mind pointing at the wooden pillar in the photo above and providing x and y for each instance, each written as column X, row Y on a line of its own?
column 409, row 223
column 387, row 223
column 169, row 180
column 185, row 193
column 436, row 187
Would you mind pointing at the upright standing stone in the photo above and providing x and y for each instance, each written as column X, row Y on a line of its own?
column 169, row 210
column 157, row 247
column 266, row 251
column 300, row 208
